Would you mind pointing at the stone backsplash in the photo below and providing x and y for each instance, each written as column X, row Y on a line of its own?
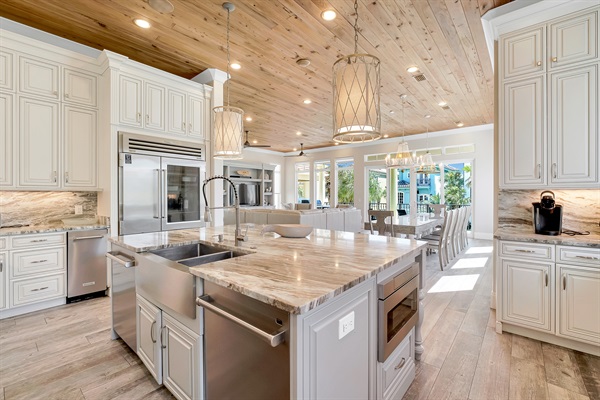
column 39, row 208
column 581, row 208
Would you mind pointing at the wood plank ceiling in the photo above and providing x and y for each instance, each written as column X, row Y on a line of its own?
column 444, row 38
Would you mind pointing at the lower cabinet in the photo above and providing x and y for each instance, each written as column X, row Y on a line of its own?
column 170, row 350
column 397, row 372
column 3, row 280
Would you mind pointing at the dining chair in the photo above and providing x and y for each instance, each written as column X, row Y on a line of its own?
column 440, row 242
column 380, row 224
column 463, row 232
column 457, row 224
column 438, row 209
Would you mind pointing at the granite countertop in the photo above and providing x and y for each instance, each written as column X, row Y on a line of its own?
column 48, row 228
column 295, row 275
column 524, row 233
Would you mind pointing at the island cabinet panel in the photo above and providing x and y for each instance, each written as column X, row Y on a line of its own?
column 148, row 331
column 334, row 364
column 3, row 279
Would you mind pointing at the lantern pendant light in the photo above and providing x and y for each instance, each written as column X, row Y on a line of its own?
column 229, row 125
column 403, row 159
column 425, row 164
column 356, row 77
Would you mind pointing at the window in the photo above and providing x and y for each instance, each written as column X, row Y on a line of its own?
column 400, row 197
column 323, row 183
column 302, row 182
column 375, row 157
column 345, row 181
column 377, row 184
column 423, row 198
column 465, row 148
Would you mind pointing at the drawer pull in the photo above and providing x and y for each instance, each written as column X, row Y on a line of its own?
column 39, row 289
column 401, row 364
column 564, row 282
column 39, row 261
column 162, row 341
column 588, row 257
column 546, row 278
column 524, row 251
column 152, row 332
column 39, row 240
column 1, row 265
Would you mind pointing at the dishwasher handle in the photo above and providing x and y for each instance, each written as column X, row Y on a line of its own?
column 121, row 259
column 88, row 237
column 274, row 340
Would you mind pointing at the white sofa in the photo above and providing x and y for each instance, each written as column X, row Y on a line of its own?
column 338, row 219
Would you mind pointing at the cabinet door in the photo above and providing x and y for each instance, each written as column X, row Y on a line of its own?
column 6, row 139
column 149, row 322
column 523, row 53
column 196, row 117
column 130, row 101
column 573, row 40
column 3, row 280
column 526, row 294
column 181, row 359
column 579, row 303
column 38, row 143
column 523, row 150
column 573, row 126
column 80, row 146
column 7, row 76
column 38, row 77
column 154, row 106
column 177, row 112
column 79, row 87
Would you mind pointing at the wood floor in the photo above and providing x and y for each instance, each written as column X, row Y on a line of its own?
column 66, row 352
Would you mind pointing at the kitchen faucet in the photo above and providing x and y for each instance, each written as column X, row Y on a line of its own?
column 239, row 237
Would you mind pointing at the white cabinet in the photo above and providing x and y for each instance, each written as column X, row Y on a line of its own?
column 142, row 103
column 186, row 114
column 39, row 77
column 38, row 143
column 7, row 68
column 548, row 97
column 578, row 294
column 170, row 350
column 80, row 147
column 523, row 146
column 197, row 119
column 3, row 279
column 154, row 106
column 527, row 293
column 177, row 112
column 79, row 87
column 397, row 373
column 6, row 139
column 573, row 126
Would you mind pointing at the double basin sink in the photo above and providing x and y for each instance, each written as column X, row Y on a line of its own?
column 192, row 255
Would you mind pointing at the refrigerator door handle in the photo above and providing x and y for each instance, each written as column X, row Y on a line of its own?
column 163, row 195
column 157, row 210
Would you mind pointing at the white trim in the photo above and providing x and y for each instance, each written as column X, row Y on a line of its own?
column 11, row 312
column 483, row 235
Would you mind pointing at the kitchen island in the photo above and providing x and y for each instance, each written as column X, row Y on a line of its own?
column 318, row 282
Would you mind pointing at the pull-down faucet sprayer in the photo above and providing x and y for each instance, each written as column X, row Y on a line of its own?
column 239, row 237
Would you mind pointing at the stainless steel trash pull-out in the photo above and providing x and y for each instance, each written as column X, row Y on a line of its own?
column 247, row 351
column 123, row 301
column 86, row 266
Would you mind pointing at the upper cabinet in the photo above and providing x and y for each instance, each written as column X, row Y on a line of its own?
column 79, row 87
column 548, row 104
column 7, row 77
column 39, row 77
column 7, row 127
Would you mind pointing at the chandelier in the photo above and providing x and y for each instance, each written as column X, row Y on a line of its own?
column 425, row 164
column 403, row 159
column 229, row 125
column 356, row 115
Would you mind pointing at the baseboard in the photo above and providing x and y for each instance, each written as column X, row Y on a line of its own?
column 12, row 312
column 483, row 235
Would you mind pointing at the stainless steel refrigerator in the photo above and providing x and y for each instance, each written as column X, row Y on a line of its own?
column 160, row 184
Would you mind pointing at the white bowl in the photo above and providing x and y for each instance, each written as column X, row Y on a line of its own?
column 289, row 230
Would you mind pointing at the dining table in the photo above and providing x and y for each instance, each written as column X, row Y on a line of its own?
column 415, row 226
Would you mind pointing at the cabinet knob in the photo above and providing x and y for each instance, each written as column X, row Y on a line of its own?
column 539, row 63
column 54, row 176
column 138, row 117
column 554, row 59
column 66, row 95
column 147, row 118
column 183, row 126
column 66, row 177
column 55, row 93
column 190, row 127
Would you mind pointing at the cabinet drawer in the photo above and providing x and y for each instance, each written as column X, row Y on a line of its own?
column 532, row 251
column 33, row 290
column 2, row 243
column 397, row 364
column 578, row 255
column 29, row 262
column 24, row 241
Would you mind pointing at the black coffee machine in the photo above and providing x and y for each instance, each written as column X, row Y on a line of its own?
column 547, row 215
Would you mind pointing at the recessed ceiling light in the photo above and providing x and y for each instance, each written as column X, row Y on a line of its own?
column 235, row 66
column 307, row 101
column 427, row 116
column 442, row 103
column 255, row 141
column 459, row 124
column 328, row 15
column 386, row 136
column 337, row 143
column 248, row 119
column 392, row 111
column 142, row 23
column 412, row 69
column 303, row 62
column 294, row 149
column 298, row 133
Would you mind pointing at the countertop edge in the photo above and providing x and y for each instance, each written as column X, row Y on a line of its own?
column 30, row 230
column 527, row 235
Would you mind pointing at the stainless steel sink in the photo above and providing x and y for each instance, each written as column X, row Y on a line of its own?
column 193, row 255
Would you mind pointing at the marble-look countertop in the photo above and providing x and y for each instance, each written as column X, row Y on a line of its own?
column 295, row 275
column 48, row 228
column 525, row 233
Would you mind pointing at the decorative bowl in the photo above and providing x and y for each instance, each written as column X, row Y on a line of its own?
column 289, row 230
column 243, row 172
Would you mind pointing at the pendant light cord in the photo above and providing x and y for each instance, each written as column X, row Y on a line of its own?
column 356, row 27
column 228, row 60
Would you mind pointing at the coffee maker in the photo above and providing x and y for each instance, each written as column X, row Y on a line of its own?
column 547, row 215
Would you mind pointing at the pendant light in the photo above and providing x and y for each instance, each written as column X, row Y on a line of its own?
column 356, row 114
column 229, row 125
column 425, row 164
column 403, row 159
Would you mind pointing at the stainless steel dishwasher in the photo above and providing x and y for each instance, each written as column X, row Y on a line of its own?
column 123, row 301
column 246, row 349
column 86, row 265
